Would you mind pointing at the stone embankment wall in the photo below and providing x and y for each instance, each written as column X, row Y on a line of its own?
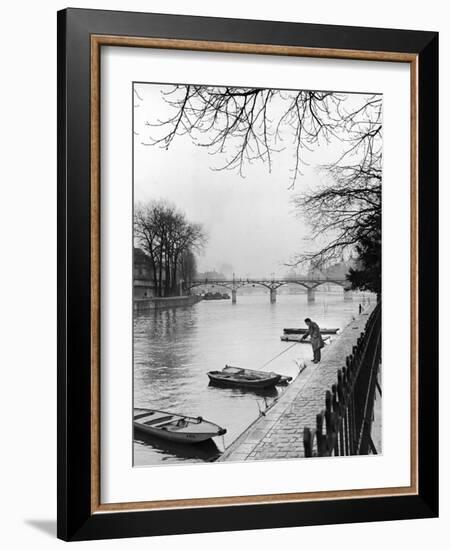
column 148, row 304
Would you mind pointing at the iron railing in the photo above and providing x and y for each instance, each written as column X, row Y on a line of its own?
column 344, row 426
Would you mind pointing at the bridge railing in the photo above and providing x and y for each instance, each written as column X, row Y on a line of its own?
column 343, row 427
column 280, row 279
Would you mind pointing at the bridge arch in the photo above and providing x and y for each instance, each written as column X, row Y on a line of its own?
column 196, row 284
column 298, row 283
column 272, row 285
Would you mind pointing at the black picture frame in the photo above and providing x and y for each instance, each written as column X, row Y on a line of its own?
column 76, row 520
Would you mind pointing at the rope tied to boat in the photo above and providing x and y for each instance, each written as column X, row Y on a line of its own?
column 281, row 353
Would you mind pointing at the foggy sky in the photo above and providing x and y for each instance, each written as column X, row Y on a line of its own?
column 250, row 222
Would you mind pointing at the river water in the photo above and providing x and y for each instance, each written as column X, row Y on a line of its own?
column 174, row 349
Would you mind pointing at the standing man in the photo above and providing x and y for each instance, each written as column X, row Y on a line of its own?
column 316, row 338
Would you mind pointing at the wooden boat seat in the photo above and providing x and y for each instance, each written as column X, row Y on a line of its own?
column 142, row 415
column 156, row 422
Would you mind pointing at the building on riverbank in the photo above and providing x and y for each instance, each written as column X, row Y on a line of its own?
column 143, row 282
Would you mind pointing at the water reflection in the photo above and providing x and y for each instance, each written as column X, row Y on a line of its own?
column 272, row 393
column 175, row 348
column 206, row 451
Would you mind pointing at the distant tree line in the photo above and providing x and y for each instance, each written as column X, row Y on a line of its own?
column 170, row 241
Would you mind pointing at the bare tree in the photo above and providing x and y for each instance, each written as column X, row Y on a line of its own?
column 188, row 266
column 164, row 234
column 146, row 236
column 246, row 125
column 340, row 214
column 346, row 210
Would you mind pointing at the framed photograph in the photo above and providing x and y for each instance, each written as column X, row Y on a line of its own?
column 247, row 253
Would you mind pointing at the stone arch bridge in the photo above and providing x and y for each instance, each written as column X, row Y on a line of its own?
column 233, row 285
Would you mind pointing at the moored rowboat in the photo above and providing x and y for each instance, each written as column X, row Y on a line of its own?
column 244, row 379
column 304, row 330
column 235, row 370
column 175, row 427
column 298, row 338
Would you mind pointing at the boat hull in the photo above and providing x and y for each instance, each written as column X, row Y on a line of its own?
column 173, row 436
column 298, row 338
column 229, row 369
column 194, row 430
column 239, row 382
column 304, row 330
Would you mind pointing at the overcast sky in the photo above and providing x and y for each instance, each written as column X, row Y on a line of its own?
column 250, row 222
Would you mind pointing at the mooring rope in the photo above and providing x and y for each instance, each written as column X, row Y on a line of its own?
column 276, row 356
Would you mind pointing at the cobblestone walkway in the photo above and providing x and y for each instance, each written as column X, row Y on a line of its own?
column 279, row 434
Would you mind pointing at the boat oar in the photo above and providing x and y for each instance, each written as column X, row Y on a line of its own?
column 276, row 356
column 301, row 366
column 266, row 406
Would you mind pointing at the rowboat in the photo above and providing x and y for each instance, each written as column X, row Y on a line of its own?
column 237, row 370
column 298, row 338
column 175, row 427
column 244, row 379
column 304, row 330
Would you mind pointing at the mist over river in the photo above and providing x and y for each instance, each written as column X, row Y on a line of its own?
column 174, row 349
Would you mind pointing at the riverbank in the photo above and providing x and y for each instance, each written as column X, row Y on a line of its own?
column 143, row 305
column 279, row 434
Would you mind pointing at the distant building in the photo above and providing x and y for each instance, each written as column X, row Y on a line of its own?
column 209, row 275
column 143, row 283
column 339, row 270
column 336, row 271
column 226, row 269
